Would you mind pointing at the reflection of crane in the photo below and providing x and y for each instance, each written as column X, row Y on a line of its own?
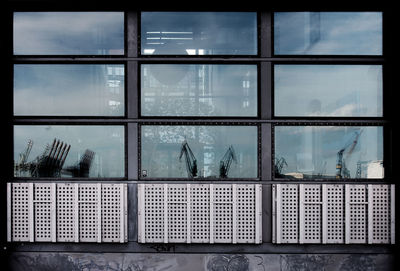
column 226, row 162
column 341, row 169
column 49, row 164
column 22, row 166
column 279, row 164
column 81, row 169
column 191, row 162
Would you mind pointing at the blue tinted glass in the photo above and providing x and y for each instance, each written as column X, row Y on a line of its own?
column 198, row 90
column 328, row 152
column 199, row 151
column 69, row 151
column 69, row 90
column 328, row 90
column 199, row 33
column 330, row 33
column 68, row 33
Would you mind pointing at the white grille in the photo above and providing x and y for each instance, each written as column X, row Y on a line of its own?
column 67, row 212
column 325, row 213
column 199, row 213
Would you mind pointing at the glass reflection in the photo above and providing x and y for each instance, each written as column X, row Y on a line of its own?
column 68, row 33
column 68, row 151
column 199, row 33
column 198, row 90
column 328, row 90
column 328, row 152
column 199, row 152
column 330, row 33
column 73, row 90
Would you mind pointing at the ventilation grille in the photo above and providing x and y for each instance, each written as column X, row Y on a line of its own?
column 67, row 212
column 199, row 213
column 333, row 213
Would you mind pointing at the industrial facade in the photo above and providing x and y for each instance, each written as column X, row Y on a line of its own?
column 171, row 138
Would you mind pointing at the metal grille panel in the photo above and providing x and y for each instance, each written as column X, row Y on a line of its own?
column 65, row 212
column 198, row 213
column 326, row 213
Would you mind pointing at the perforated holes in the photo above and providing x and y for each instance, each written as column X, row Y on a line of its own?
column 20, row 217
column 154, row 213
column 335, row 215
column 177, row 213
column 65, row 212
column 42, row 209
column 111, row 212
column 289, row 213
column 200, row 213
column 312, row 213
column 358, row 213
column 381, row 214
column 88, row 213
column 223, row 213
column 245, row 213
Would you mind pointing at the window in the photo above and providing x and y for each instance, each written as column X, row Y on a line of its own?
column 198, row 90
column 328, row 90
column 53, row 90
column 328, row 33
column 68, row 33
column 199, row 33
column 60, row 151
column 199, row 152
column 328, row 152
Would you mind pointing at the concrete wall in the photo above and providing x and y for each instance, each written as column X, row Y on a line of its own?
column 30, row 261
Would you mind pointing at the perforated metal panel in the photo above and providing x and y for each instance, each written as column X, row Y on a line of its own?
column 199, row 213
column 356, row 213
column 65, row 212
column 287, row 213
column 334, row 213
column 310, row 213
column 322, row 213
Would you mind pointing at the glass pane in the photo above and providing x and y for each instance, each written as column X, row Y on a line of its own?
column 69, row 90
column 328, row 33
column 199, row 33
column 198, row 90
column 199, row 151
column 68, row 33
column 328, row 90
column 331, row 152
column 69, row 151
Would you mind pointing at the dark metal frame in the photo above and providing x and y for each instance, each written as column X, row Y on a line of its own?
column 265, row 59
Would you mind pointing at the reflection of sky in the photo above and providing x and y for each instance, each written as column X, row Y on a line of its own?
column 97, row 33
column 328, row 90
column 199, row 90
column 308, row 149
column 85, row 90
column 161, row 147
column 207, row 33
column 336, row 33
column 106, row 141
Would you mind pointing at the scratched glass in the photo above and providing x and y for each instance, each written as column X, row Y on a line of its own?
column 199, row 152
column 199, row 33
column 328, row 90
column 68, row 33
column 328, row 33
column 328, row 152
column 69, row 151
column 69, row 90
column 198, row 90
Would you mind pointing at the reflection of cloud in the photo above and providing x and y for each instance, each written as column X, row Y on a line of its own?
column 339, row 33
column 67, row 32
